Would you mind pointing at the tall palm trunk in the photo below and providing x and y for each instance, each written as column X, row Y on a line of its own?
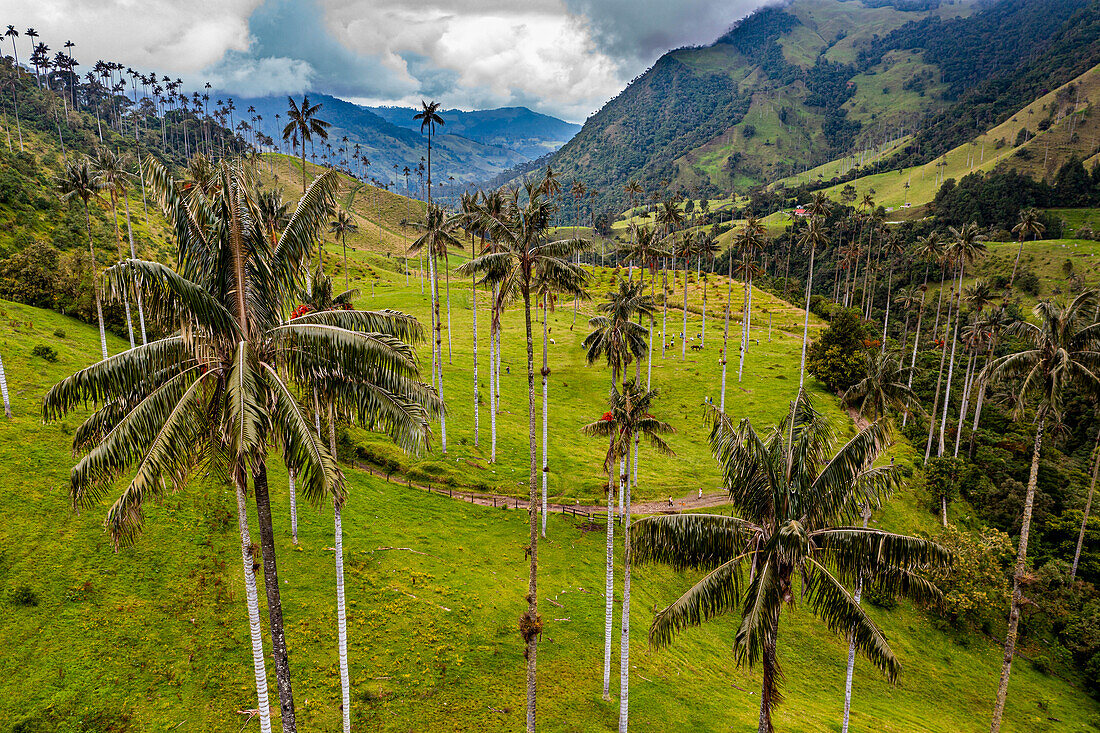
column 609, row 573
column 852, row 646
column 1084, row 520
column 664, row 310
column 624, row 639
column 293, row 505
column 545, row 412
column 492, row 376
column 978, row 406
column 533, row 623
column 684, row 335
column 703, row 331
column 806, row 324
column 1018, row 576
column 744, row 336
column 250, row 565
column 118, row 242
column 95, row 283
column 1016, row 263
column 133, row 255
column 939, row 378
column 965, row 404
column 916, row 342
column 438, row 349
column 889, row 295
column 341, row 612
column 4, row 390
column 477, row 394
column 447, row 272
column 726, row 333
column 274, row 602
column 951, row 365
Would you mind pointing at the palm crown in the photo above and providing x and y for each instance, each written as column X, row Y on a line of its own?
column 789, row 526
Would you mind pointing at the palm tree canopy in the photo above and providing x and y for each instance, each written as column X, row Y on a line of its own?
column 1064, row 349
column 223, row 385
column 429, row 116
column 618, row 336
column 789, row 526
column 884, row 386
column 629, row 415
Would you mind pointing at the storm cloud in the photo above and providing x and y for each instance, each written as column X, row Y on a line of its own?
column 561, row 57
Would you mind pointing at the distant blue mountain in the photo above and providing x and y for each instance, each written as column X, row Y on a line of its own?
column 470, row 146
column 517, row 128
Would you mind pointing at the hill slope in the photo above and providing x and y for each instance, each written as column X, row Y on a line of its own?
column 470, row 146
column 792, row 87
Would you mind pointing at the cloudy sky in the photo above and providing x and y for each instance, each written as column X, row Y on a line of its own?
column 561, row 57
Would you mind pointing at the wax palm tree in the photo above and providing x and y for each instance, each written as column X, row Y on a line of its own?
column 968, row 244
column 706, row 247
column 908, row 299
column 111, row 175
column 219, row 390
column 892, row 248
column 669, row 220
column 793, row 505
column 684, row 249
column 303, row 123
column 428, row 117
column 78, row 181
column 1029, row 224
column 524, row 253
column 1063, row 354
column 884, row 386
column 811, row 237
column 748, row 240
column 342, row 226
column 629, row 417
column 438, row 236
column 618, row 340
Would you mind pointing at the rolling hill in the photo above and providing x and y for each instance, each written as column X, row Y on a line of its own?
column 795, row 86
column 470, row 146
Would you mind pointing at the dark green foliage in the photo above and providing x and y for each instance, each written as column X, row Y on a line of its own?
column 880, row 598
column 42, row 351
column 996, row 199
column 1028, row 282
column 836, row 358
column 942, row 479
column 23, row 595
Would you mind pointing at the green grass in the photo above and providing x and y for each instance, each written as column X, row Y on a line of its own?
column 153, row 636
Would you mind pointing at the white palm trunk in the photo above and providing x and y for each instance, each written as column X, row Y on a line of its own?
column 744, row 336
column 725, row 350
column 916, row 342
column 852, row 649
column 703, row 332
column 1085, row 518
column 609, row 586
column 341, row 625
column 4, row 390
column 806, row 323
column 684, row 335
column 545, row 413
column 951, row 365
column 253, row 613
column 439, row 352
column 293, row 506
column 664, row 311
column 447, row 269
column 133, row 255
column 624, row 639
column 889, row 295
column 473, row 292
column 492, row 392
column 965, row 404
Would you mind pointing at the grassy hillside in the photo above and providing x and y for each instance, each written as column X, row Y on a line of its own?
column 1067, row 111
column 152, row 637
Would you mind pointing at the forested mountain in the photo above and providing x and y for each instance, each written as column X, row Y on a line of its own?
column 529, row 133
column 791, row 87
column 469, row 146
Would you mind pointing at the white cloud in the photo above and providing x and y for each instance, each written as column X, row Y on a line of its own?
column 166, row 35
column 252, row 77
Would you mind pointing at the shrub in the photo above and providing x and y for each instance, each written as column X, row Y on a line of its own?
column 46, row 352
column 23, row 595
column 880, row 599
column 59, row 333
column 836, row 358
column 1028, row 282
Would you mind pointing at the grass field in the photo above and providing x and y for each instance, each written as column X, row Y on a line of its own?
column 153, row 637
